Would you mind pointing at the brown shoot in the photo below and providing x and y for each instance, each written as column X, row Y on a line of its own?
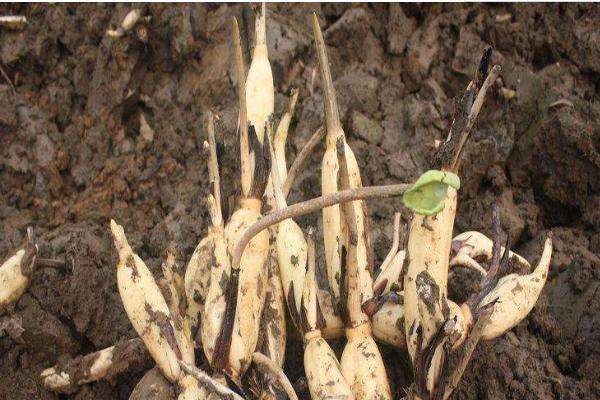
column 332, row 115
column 301, row 158
column 241, row 86
column 213, row 169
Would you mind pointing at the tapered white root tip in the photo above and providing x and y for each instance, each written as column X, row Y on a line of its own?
column 119, row 238
column 261, row 26
column 463, row 260
column 516, row 295
column 315, row 20
column 117, row 231
column 544, row 263
column 541, row 270
column 170, row 260
column 295, row 92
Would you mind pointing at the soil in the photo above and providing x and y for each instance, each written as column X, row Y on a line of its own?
column 98, row 128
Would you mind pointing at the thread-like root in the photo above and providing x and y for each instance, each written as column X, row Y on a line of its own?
column 210, row 383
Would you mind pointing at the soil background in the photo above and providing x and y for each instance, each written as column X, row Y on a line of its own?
column 98, row 128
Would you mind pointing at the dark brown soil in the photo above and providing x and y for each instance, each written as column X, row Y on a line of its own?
column 75, row 152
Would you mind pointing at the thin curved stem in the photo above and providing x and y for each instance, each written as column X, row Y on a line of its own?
column 51, row 263
column 395, row 243
column 312, row 205
column 205, row 380
column 301, row 158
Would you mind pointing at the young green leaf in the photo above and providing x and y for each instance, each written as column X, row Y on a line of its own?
column 427, row 195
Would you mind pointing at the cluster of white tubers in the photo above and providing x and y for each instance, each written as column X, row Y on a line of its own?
column 250, row 268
